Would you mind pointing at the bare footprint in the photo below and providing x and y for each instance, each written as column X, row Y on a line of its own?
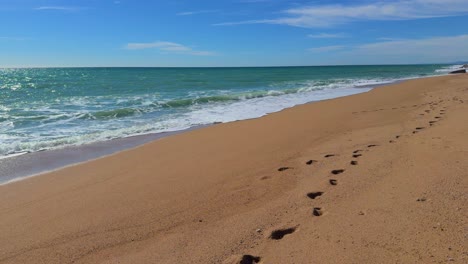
column 329, row 155
column 313, row 195
column 249, row 259
column 333, row 182
column 354, row 162
column 280, row 233
column 284, row 168
column 357, row 155
column 317, row 211
column 336, row 172
column 310, row 162
column 372, row 145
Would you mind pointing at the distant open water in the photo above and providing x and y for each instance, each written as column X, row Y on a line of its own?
column 47, row 108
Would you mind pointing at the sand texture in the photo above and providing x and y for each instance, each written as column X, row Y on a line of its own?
column 378, row 177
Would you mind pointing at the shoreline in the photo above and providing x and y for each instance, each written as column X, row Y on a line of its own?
column 24, row 166
column 375, row 175
column 18, row 167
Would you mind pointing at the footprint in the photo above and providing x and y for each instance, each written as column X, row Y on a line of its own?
column 357, row 155
column 336, row 172
column 329, row 155
column 317, row 211
column 249, row 259
column 313, row 195
column 397, row 136
column 356, row 151
column 391, row 141
column 280, row 233
column 414, row 132
column 310, row 162
column 437, row 117
column 333, row 182
column 419, row 128
column 371, row 146
column 284, row 168
column 265, row 178
column 354, row 162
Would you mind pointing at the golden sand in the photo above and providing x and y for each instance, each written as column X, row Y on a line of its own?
column 378, row 177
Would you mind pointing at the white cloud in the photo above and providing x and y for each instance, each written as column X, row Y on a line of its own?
column 427, row 50
column 169, row 47
column 327, row 35
column 11, row 38
column 189, row 13
column 327, row 48
column 60, row 8
column 315, row 16
column 453, row 45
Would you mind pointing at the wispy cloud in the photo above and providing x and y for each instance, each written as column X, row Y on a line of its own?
column 189, row 13
column 316, row 16
column 434, row 49
column 327, row 35
column 168, row 47
column 455, row 45
column 11, row 38
column 327, row 48
column 59, row 8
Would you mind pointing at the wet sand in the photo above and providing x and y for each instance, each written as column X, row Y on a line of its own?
column 33, row 164
column 378, row 177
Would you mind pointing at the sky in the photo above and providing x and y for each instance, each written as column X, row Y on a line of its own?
column 214, row 33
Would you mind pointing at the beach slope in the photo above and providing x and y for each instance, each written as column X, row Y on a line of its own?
column 377, row 177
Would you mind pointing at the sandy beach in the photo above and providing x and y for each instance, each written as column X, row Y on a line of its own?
column 377, row 177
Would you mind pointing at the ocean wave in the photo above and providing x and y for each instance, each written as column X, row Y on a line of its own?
column 448, row 69
column 77, row 120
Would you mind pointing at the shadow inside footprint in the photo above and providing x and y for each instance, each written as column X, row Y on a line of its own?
column 333, row 182
column 249, row 259
column 336, row 172
column 280, row 233
column 310, row 162
column 284, row 168
column 313, row 195
column 317, row 211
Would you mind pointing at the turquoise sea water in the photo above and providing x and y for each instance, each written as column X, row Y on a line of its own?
column 44, row 108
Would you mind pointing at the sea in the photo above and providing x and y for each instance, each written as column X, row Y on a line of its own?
column 52, row 108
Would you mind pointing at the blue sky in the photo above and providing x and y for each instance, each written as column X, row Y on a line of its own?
column 231, row 32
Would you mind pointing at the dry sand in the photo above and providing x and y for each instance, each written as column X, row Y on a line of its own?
column 216, row 194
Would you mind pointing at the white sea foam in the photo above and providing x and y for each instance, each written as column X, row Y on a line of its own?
column 144, row 112
column 448, row 69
